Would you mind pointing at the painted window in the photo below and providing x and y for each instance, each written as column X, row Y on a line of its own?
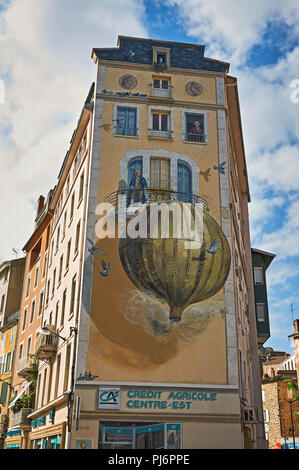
column 160, row 173
column 184, row 182
column 258, row 275
column 126, row 123
column 260, row 312
column 194, row 127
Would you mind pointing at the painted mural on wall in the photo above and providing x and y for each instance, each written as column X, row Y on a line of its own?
column 156, row 301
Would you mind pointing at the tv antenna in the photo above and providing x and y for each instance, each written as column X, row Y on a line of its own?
column 292, row 312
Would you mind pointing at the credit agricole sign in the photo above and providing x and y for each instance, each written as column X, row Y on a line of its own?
column 168, row 400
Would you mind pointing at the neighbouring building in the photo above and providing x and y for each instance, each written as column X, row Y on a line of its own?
column 11, row 284
column 149, row 337
column 281, row 426
column 31, row 310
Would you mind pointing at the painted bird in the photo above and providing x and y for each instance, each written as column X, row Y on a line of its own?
column 106, row 269
column 213, row 248
column 206, row 174
column 93, row 249
column 220, row 168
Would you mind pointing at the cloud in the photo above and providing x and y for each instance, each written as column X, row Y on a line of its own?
column 47, row 68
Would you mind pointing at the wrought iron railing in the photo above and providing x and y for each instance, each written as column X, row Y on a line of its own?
column 159, row 133
column 192, row 137
column 121, row 130
column 128, row 197
column 161, row 92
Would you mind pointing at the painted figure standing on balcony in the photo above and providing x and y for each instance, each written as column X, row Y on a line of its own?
column 196, row 132
column 137, row 184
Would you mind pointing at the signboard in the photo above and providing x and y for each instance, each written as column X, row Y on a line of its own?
column 109, row 398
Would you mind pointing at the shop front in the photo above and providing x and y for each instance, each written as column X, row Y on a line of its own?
column 156, row 416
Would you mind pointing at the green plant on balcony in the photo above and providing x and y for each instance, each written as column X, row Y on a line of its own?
column 160, row 67
column 27, row 401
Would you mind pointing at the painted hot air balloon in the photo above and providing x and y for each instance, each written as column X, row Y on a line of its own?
column 173, row 272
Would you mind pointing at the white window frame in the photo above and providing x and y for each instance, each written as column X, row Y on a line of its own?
column 161, row 110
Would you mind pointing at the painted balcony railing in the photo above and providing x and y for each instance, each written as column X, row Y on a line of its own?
column 161, row 92
column 129, row 131
column 193, row 137
column 161, row 134
column 152, row 195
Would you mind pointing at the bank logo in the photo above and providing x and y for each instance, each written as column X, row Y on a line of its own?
column 109, row 398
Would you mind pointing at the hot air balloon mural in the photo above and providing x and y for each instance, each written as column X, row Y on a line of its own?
column 170, row 271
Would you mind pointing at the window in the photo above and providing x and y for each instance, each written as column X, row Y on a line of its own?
column 54, row 280
column 32, row 311
column 57, row 238
column 160, row 122
column 21, row 350
column 45, row 265
column 184, row 182
column 48, row 292
column 36, row 277
column 28, row 345
column 72, row 207
column 260, row 312
column 77, row 238
column 194, row 128
column 56, row 314
column 52, row 250
column 60, row 269
column 44, row 387
column 41, row 303
column 8, row 362
column 73, row 294
column 126, row 121
column 63, row 308
column 161, row 58
column 81, row 186
column 24, row 319
column 4, row 390
column 160, row 173
column 28, row 286
column 258, row 275
column 12, row 334
column 68, row 253
column 50, row 318
column 64, row 223
column 2, row 303
column 161, row 88
column 3, row 340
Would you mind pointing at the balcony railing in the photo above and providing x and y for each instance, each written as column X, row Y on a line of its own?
column 24, row 366
column 19, row 418
column 192, row 137
column 128, row 131
column 161, row 134
column 151, row 195
column 161, row 92
column 46, row 345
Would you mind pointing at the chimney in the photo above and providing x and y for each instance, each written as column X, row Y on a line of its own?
column 40, row 205
column 296, row 326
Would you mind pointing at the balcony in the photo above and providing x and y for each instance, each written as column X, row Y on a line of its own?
column 192, row 137
column 123, row 198
column 19, row 418
column 160, row 134
column 46, row 345
column 125, row 131
column 24, row 366
column 161, row 92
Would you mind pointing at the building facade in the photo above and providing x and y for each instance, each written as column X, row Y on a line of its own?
column 31, row 310
column 11, row 284
column 148, row 337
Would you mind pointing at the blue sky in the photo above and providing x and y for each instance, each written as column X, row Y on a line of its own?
column 45, row 63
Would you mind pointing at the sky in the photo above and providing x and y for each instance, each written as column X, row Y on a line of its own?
column 46, row 71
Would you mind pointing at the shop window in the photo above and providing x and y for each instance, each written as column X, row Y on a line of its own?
column 127, row 435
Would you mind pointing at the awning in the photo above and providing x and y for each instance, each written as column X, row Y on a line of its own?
column 19, row 394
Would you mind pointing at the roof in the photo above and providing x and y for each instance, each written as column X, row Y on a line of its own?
column 268, row 257
column 140, row 50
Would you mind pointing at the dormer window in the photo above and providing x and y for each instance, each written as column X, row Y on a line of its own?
column 161, row 58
